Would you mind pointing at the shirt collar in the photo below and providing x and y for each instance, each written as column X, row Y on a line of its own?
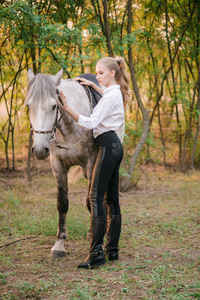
column 112, row 87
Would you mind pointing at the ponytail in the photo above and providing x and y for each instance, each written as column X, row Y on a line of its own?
column 123, row 80
column 117, row 64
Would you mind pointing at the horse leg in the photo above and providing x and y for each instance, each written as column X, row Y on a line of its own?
column 58, row 250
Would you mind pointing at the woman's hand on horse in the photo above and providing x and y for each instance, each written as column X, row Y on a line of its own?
column 68, row 109
column 83, row 81
column 62, row 96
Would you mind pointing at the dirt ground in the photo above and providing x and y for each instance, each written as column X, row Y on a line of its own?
column 159, row 246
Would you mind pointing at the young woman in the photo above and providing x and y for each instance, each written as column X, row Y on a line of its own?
column 107, row 116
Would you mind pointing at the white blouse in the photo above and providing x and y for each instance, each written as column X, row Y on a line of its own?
column 107, row 115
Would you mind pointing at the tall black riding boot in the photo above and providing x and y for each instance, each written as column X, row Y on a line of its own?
column 105, row 222
column 113, row 234
column 96, row 256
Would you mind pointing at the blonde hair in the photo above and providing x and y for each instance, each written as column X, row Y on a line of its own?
column 121, row 76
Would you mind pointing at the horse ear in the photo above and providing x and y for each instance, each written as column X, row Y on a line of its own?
column 58, row 77
column 30, row 74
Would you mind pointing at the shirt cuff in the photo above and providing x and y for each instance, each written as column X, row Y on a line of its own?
column 80, row 119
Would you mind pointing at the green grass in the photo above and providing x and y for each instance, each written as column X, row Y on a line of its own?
column 25, row 212
column 159, row 245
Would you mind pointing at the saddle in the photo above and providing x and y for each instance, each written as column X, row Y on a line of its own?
column 91, row 93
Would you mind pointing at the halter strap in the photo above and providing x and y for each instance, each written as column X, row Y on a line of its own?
column 40, row 131
column 53, row 130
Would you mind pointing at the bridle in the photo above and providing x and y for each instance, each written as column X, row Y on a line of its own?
column 55, row 125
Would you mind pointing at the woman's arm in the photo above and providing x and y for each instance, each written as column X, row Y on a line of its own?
column 103, row 109
column 84, row 81
column 68, row 109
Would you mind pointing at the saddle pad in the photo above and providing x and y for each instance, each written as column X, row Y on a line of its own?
column 96, row 96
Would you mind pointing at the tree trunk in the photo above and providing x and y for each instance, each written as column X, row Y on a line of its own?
column 13, row 147
column 198, row 93
column 107, row 29
column 103, row 22
column 162, row 137
column 29, row 156
column 179, row 131
column 198, row 124
column 145, row 113
column 158, row 102
column 188, row 130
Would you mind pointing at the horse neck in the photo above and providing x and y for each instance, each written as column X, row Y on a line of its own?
column 76, row 96
column 78, row 100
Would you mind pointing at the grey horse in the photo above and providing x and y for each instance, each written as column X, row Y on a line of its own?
column 56, row 134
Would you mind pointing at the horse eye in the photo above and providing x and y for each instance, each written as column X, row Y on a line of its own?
column 54, row 107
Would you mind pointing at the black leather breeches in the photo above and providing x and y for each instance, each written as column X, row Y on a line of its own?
column 105, row 177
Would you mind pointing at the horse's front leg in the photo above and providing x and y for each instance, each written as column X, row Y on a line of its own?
column 58, row 250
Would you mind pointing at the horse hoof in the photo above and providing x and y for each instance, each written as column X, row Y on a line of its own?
column 57, row 254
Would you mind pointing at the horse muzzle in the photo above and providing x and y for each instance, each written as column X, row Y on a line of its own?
column 41, row 151
column 41, row 154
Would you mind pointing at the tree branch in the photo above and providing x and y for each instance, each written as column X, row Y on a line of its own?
column 11, row 243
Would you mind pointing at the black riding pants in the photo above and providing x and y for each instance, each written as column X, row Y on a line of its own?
column 105, row 177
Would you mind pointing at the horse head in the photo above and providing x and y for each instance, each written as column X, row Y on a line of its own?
column 41, row 101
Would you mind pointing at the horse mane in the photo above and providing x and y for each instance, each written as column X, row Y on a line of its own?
column 41, row 86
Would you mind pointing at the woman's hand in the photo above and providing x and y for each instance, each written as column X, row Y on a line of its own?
column 83, row 81
column 64, row 100
column 67, row 108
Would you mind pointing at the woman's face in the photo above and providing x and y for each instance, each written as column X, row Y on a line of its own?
column 104, row 76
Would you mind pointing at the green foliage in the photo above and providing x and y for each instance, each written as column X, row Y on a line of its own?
column 72, row 34
column 132, row 136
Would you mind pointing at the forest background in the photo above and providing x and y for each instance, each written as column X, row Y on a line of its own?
column 160, row 42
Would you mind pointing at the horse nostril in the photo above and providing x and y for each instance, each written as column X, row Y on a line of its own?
column 32, row 150
column 46, row 150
